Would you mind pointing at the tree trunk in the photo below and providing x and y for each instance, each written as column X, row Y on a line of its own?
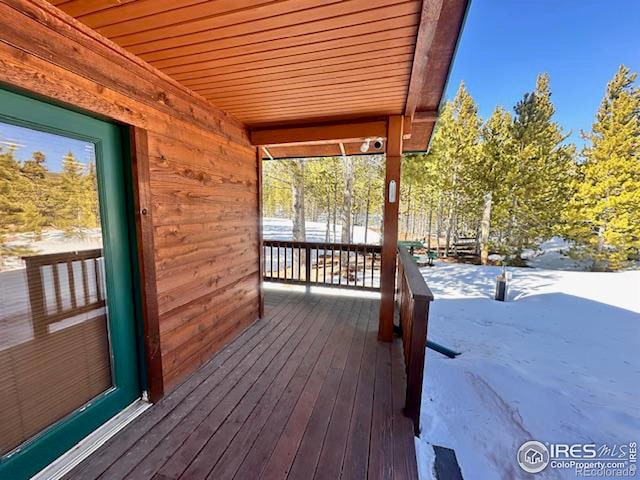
column 366, row 214
column 439, row 225
column 429, row 228
column 447, row 244
column 485, row 227
column 328, row 232
column 347, row 203
column 406, row 221
column 297, row 185
column 335, row 208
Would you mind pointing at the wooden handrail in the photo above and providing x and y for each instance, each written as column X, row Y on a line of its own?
column 414, row 297
column 42, row 315
column 339, row 265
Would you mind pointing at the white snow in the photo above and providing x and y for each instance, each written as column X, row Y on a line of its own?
column 282, row 229
column 558, row 362
column 554, row 255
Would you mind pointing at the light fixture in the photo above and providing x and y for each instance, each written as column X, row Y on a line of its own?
column 364, row 148
column 378, row 143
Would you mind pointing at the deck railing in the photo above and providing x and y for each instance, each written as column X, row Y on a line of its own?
column 342, row 265
column 413, row 297
column 71, row 281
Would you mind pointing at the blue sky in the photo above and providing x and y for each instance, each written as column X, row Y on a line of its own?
column 54, row 147
column 580, row 43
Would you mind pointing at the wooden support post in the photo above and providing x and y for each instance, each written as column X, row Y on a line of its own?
column 260, row 246
column 146, row 260
column 390, row 227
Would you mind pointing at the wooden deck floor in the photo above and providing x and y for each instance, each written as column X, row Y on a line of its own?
column 307, row 392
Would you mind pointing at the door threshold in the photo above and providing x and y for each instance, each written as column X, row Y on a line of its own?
column 70, row 459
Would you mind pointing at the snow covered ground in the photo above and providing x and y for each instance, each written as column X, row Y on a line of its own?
column 558, row 362
column 282, row 229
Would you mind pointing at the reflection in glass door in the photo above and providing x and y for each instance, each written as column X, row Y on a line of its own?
column 63, row 341
column 53, row 330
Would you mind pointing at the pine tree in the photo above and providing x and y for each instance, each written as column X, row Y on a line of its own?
column 90, row 205
column 604, row 215
column 539, row 185
column 36, row 199
column 11, row 183
column 347, row 199
column 455, row 145
column 490, row 174
column 72, row 197
column 10, row 201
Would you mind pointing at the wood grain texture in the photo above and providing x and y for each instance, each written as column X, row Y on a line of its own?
column 390, row 228
column 215, row 48
column 304, row 61
column 306, row 393
column 194, row 168
column 146, row 261
column 259, row 221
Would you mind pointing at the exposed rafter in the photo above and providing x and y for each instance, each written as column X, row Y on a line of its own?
column 426, row 33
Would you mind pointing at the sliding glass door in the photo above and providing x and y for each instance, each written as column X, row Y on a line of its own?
column 68, row 359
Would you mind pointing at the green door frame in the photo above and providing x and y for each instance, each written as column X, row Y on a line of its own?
column 120, row 273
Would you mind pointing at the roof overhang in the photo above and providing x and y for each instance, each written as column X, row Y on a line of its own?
column 307, row 77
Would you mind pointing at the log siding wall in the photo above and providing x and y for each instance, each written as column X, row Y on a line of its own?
column 200, row 173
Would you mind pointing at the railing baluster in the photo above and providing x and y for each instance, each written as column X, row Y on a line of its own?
column 85, row 281
column 96, row 271
column 332, row 261
column 307, row 266
column 347, row 259
column 356, row 270
column 72, row 284
column 340, row 265
column 56, row 287
column 364, row 266
column 285, row 262
column 324, row 265
column 373, row 266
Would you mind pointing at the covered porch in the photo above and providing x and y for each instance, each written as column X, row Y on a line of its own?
column 192, row 95
column 307, row 392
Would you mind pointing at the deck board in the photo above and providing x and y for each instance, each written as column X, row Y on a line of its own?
column 306, row 392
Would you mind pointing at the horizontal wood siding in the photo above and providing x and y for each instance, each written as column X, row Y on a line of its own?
column 207, row 271
column 200, row 175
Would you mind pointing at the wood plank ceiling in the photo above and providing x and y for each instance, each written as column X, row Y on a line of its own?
column 271, row 62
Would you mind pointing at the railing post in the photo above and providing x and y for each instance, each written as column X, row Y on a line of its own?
column 36, row 297
column 307, row 267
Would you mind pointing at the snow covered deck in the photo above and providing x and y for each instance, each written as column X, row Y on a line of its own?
column 306, row 392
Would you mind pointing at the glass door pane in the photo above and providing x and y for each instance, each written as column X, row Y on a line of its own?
column 55, row 353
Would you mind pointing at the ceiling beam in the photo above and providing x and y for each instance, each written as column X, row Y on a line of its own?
column 425, row 117
column 352, row 131
column 424, row 39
